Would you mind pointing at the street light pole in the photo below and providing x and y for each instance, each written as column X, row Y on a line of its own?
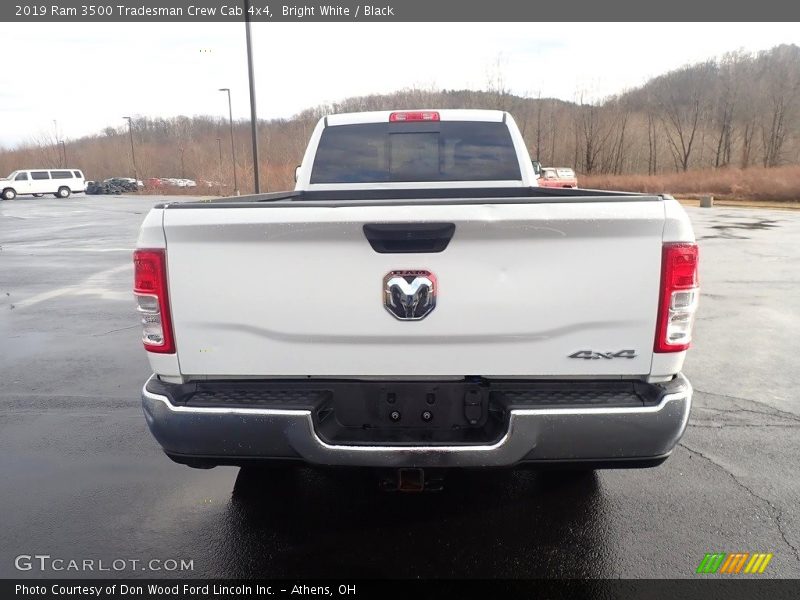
column 233, row 148
column 253, row 116
column 219, row 178
column 58, row 142
column 133, row 154
column 64, row 146
column 183, row 171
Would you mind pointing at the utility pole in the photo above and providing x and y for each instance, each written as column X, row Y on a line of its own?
column 219, row 178
column 233, row 148
column 183, row 171
column 253, row 116
column 64, row 146
column 133, row 154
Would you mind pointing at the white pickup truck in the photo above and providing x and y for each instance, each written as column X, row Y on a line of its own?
column 418, row 302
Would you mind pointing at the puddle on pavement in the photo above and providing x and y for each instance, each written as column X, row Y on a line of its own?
column 725, row 229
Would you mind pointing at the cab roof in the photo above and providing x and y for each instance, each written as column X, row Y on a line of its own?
column 448, row 114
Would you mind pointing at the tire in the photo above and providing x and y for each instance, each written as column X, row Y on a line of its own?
column 63, row 192
column 9, row 194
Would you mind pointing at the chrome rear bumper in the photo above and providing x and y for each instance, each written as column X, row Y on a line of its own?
column 224, row 435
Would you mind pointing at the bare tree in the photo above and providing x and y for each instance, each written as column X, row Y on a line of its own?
column 496, row 85
column 781, row 85
column 594, row 132
column 773, row 131
column 48, row 151
column 652, row 143
column 683, row 102
column 554, row 137
column 618, row 153
column 726, row 105
column 539, row 126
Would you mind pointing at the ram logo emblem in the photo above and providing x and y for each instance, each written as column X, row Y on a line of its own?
column 409, row 295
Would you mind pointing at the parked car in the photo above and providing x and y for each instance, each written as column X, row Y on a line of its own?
column 104, row 187
column 138, row 183
column 37, row 182
column 417, row 310
column 125, row 184
column 558, row 178
column 177, row 182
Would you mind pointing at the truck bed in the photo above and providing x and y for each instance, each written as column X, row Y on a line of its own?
column 413, row 196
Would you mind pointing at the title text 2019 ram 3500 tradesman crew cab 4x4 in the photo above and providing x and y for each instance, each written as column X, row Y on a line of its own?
column 418, row 302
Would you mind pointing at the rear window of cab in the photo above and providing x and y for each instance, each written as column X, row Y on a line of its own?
column 414, row 151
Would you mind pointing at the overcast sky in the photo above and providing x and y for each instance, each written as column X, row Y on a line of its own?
column 87, row 76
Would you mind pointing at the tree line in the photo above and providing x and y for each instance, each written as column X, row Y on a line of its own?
column 737, row 111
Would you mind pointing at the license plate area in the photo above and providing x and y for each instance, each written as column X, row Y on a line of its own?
column 412, row 413
column 412, row 405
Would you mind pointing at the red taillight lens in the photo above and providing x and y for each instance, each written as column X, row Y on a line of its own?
column 679, row 297
column 419, row 115
column 152, row 299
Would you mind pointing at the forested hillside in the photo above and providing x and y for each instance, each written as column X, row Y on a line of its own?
column 736, row 112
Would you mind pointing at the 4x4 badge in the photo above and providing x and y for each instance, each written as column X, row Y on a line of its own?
column 591, row 355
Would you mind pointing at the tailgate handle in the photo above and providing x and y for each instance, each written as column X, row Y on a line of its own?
column 401, row 238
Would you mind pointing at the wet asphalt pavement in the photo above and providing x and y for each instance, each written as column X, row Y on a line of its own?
column 81, row 477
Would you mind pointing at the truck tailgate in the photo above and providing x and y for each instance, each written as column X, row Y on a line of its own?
column 290, row 291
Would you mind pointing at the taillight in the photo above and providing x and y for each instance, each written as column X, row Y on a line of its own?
column 152, row 299
column 419, row 115
column 679, row 296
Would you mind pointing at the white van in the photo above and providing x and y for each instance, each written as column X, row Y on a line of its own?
column 59, row 182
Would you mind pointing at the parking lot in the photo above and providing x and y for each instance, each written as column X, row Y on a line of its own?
column 83, row 479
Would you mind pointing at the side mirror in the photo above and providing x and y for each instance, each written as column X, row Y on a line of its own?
column 297, row 173
column 537, row 168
